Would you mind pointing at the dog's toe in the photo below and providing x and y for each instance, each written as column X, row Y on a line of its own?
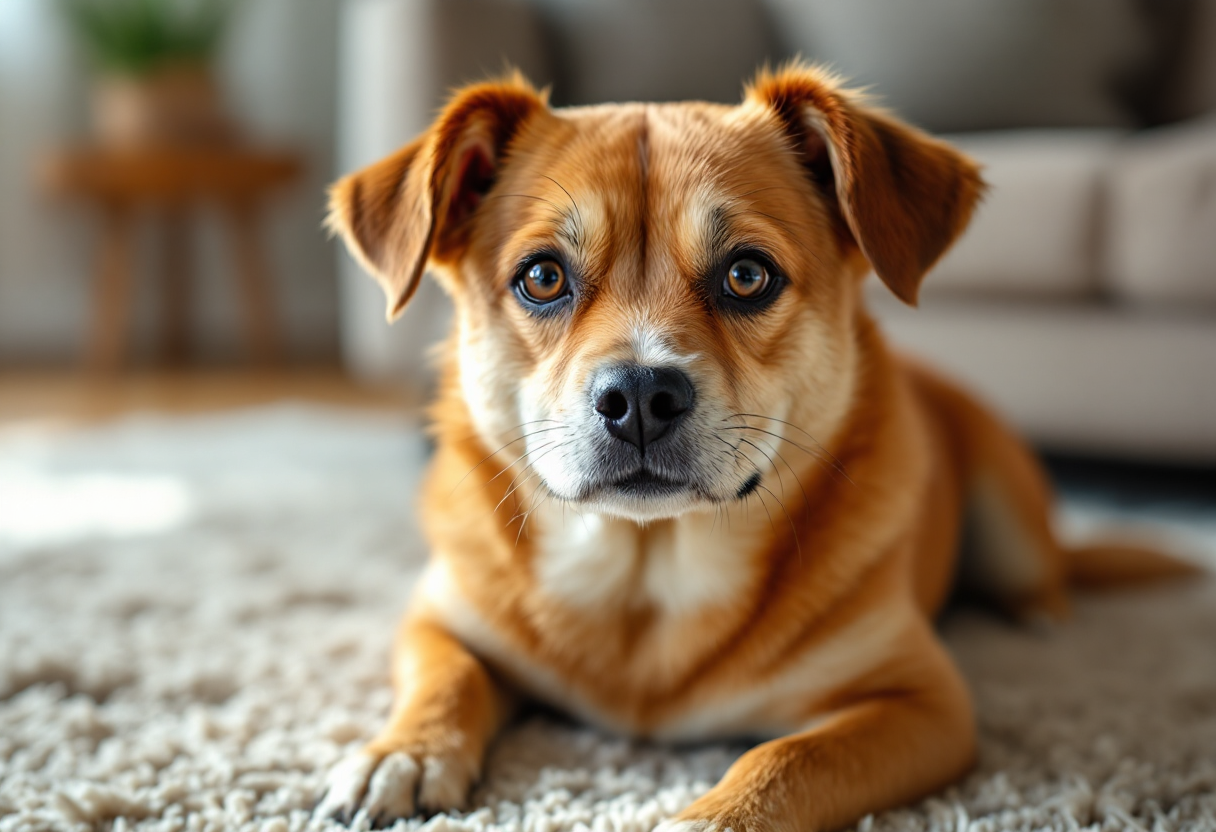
column 396, row 785
column 445, row 783
column 677, row 825
column 390, row 794
column 345, row 786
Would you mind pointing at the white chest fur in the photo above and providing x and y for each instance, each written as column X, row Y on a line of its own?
column 589, row 562
column 678, row 567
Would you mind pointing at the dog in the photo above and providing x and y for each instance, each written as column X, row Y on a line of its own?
column 682, row 489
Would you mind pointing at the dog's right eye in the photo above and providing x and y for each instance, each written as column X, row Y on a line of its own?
column 747, row 279
column 542, row 282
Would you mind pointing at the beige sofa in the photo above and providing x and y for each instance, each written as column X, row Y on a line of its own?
column 1082, row 303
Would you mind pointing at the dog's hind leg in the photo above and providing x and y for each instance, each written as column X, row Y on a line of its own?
column 1010, row 556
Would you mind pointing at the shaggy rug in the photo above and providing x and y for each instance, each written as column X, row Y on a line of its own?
column 195, row 617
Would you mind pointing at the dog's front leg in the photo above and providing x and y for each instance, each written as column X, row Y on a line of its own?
column 447, row 708
column 886, row 749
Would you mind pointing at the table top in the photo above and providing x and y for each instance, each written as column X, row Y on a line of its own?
column 167, row 173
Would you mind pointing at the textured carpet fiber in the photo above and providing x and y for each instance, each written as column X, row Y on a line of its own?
column 195, row 617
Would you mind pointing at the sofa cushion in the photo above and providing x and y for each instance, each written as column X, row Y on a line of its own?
column 1161, row 240
column 968, row 65
column 1079, row 376
column 657, row 50
column 1035, row 233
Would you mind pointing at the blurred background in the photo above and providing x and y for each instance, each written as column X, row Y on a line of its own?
column 163, row 166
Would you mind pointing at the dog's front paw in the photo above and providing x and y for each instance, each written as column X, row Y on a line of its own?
column 395, row 785
column 677, row 825
column 716, row 813
column 682, row 824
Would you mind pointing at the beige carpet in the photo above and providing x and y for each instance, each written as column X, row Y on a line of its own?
column 195, row 617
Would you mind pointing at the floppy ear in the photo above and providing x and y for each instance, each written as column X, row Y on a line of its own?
column 904, row 195
column 400, row 212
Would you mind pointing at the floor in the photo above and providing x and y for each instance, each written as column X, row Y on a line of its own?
column 67, row 397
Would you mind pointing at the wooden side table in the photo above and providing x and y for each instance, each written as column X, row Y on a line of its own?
column 173, row 181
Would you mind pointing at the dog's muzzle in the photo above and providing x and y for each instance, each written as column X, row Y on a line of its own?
column 640, row 405
column 640, row 450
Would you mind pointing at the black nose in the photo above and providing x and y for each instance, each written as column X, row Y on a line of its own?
column 639, row 404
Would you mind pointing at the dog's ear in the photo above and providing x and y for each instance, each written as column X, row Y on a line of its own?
column 904, row 195
column 400, row 212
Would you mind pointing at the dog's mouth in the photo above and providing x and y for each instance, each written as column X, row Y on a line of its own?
column 644, row 483
column 646, row 494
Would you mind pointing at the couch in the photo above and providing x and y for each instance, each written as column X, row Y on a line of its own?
column 1082, row 302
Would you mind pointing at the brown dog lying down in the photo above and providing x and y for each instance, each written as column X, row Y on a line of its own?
column 683, row 489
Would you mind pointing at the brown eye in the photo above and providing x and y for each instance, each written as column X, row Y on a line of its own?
column 748, row 279
column 543, row 282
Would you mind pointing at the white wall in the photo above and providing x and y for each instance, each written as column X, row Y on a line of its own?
column 279, row 70
column 41, row 300
column 399, row 60
column 387, row 95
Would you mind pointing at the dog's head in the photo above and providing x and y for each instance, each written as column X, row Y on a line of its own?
column 658, row 303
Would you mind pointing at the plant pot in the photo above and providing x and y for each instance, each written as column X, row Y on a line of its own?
column 174, row 105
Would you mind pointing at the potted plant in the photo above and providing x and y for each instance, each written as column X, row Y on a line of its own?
column 154, row 83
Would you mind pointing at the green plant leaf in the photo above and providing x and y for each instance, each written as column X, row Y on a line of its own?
column 138, row 36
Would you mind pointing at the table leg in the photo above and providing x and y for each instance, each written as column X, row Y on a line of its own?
column 261, row 327
column 175, row 286
column 113, row 291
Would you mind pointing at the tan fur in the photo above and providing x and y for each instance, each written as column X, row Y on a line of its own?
column 801, row 612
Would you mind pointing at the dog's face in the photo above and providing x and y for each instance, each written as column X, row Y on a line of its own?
column 656, row 304
column 645, row 282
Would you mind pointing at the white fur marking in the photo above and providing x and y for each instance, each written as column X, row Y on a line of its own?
column 690, row 568
column 487, row 382
column 345, row 786
column 689, row 826
column 650, row 347
column 445, row 784
column 687, row 564
column 584, row 559
column 390, row 795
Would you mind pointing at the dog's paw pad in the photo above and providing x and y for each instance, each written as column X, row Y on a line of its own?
column 345, row 786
